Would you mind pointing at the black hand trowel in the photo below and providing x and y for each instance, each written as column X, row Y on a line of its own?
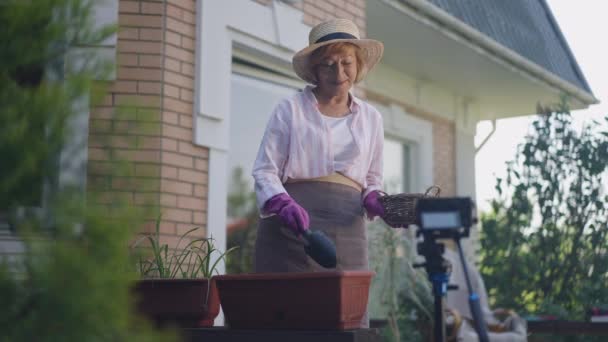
column 320, row 248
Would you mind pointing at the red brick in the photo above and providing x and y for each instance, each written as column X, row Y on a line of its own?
column 148, row 143
column 128, row 33
column 171, row 118
column 127, row 59
column 148, row 115
column 124, row 87
column 137, row 100
column 169, row 144
column 188, row 43
column 189, row 5
column 151, row 8
column 176, row 132
column 128, row 6
column 170, row 90
column 196, row 177
column 172, row 64
column 139, row 47
column 175, row 159
column 179, row 80
column 187, row 69
column 148, row 198
column 152, row 34
column 186, row 95
column 149, row 87
column 174, row 12
column 99, row 154
column 199, row 218
column 150, row 61
column 102, row 113
column 139, row 74
column 135, row 20
column 177, row 105
column 121, row 141
column 147, row 170
column 180, row 27
column 100, row 126
column 180, row 54
column 168, row 172
column 103, row 168
column 187, row 202
column 173, row 38
column 183, row 228
column 201, row 164
column 169, row 200
column 189, row 17
column 175, row 187
column 185, row 120
column 187, row 147
column 200, row 190
column 137, row 155
column 177, row 215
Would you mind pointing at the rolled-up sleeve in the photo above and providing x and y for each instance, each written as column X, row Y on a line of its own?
column 373, row 177
column 272, row 155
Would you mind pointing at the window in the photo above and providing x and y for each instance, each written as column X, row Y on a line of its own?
column 251, row 103
column 397, row 165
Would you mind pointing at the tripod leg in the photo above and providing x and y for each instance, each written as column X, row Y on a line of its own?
column 439, row 327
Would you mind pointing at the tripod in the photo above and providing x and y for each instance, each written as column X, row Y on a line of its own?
column 438, row 270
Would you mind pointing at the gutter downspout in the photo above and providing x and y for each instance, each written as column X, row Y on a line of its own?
column 454, row 28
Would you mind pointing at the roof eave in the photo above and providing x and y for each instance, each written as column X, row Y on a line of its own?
column 499, row 51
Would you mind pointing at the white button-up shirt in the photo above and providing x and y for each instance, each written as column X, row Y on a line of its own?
column 297, row 145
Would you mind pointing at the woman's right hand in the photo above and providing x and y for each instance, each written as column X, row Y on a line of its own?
column 291, row 213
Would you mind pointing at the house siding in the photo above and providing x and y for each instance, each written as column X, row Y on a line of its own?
column 155, row 70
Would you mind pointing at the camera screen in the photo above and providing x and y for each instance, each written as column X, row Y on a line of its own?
column 441, row 220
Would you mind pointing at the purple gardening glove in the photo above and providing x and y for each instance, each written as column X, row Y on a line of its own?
column 291, row 213
column 372, row 205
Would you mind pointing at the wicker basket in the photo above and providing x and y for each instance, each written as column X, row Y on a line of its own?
column 400, row 209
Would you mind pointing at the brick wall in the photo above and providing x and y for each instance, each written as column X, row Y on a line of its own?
column 444, row 156
column 155, row 71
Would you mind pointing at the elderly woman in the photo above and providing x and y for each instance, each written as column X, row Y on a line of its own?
column 319, row 164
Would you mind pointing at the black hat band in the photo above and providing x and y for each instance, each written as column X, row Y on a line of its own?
column 335, row 35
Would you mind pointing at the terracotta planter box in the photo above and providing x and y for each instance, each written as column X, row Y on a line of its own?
column 325, row 300
column 178, row 301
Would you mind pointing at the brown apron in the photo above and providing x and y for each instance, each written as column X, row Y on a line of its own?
column 337, row 210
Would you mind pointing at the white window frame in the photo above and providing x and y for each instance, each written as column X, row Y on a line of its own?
column 270, row 33
column 416, row 132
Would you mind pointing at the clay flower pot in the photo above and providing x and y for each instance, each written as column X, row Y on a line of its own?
column 188, row 303
column 324, row 300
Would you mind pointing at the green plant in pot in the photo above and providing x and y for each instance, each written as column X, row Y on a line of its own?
column 177, row 285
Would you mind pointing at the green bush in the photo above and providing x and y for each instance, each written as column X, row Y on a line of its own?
column 73, row 280
column 544, row 242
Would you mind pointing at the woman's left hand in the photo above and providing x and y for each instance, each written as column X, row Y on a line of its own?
column 372, row 205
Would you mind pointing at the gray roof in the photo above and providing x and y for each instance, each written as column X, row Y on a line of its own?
column 526, row 27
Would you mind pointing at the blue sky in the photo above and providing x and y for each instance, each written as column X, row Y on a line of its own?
column 584, row 24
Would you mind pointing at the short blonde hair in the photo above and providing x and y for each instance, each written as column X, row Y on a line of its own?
column 317, row 56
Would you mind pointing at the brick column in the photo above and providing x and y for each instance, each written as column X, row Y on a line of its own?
column 155, row 72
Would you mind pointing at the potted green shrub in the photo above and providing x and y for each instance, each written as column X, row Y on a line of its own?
column 177, row 285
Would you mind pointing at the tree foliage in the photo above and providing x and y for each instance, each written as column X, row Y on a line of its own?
column 544, row 242
column 71, row 281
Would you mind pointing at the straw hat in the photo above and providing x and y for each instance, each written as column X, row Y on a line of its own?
column 335, row 31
